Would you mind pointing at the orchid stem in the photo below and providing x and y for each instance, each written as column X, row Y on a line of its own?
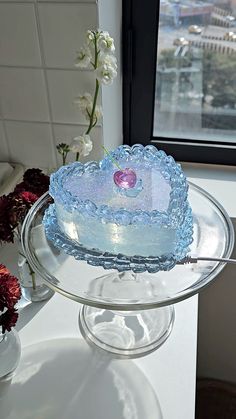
column 94, row 107
column 91, row 121
column 32, row 274
column 64, row 155
column 113, row 160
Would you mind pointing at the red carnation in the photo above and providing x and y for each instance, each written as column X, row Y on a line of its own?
column 18, row 209
column 10, row 291
column 3, row 269
column 29, row 197
column 14, row 206
column 6, row 232
column 8, row 320
column 20, row 187
column 4, row 205
column 36, row 182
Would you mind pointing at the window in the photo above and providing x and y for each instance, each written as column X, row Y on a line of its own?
column 179, row 67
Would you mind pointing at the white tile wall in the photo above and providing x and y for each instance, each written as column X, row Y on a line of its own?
column 38, row 81
column 29, row 143
column 60, row 48
column 23, row 94
column 19, row 44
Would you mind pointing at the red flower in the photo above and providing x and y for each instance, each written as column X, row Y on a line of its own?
column 29, row 197
column 6, row 232
column 17, row 210
column 10, row 291
column 6, row 227
column 21, row 187
column 36, row 182
column 14, row 207
column 8, row 320
column 4, row 205
column 3, row 269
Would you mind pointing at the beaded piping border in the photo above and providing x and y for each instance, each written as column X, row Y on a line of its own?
column 108, row 260
column 169, row 169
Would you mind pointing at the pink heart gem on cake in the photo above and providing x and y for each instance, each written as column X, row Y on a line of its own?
column 125, row 178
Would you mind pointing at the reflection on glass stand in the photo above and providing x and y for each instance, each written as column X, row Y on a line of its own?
column 128, row 312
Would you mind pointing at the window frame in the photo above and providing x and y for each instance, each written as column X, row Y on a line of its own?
column 139, row 38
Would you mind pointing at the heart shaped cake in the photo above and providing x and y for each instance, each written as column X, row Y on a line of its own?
column 94, row 208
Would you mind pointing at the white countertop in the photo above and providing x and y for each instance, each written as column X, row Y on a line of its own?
column 168, row 374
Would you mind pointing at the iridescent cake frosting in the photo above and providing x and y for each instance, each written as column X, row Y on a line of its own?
column 154, row 220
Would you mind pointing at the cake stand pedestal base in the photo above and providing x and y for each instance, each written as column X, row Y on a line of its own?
column 127, row 334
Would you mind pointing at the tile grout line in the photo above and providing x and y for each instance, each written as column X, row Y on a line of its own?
column 41, row 46
column 16, row 2
column 66, row 1
column 28, row 67
column 68, row 124
column 6, row 138
column 48, row 2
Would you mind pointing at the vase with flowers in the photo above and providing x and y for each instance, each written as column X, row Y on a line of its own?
column 97, row 54
column 13, row 209
column 10, row 348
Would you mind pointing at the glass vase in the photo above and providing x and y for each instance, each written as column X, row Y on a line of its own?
column 10, row 350
column 32, row 286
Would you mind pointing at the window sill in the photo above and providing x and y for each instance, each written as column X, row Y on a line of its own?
column 219, row 181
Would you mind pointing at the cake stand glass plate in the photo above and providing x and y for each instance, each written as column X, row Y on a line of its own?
column 115, row 315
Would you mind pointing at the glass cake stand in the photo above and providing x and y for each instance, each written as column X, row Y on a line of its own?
column 127, row 310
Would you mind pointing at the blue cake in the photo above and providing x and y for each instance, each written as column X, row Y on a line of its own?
column 153, row 218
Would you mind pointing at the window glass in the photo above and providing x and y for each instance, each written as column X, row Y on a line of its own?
column 195, row 95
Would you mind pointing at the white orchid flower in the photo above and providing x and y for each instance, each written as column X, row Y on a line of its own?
column 90, row 37
column 82, row 145
column 107, row 59
column 84, row 58
column 85, row 105
column 106, row 43
column 107, row 69
column 84, row 101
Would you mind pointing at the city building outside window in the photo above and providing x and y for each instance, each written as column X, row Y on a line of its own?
column 180, row 77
